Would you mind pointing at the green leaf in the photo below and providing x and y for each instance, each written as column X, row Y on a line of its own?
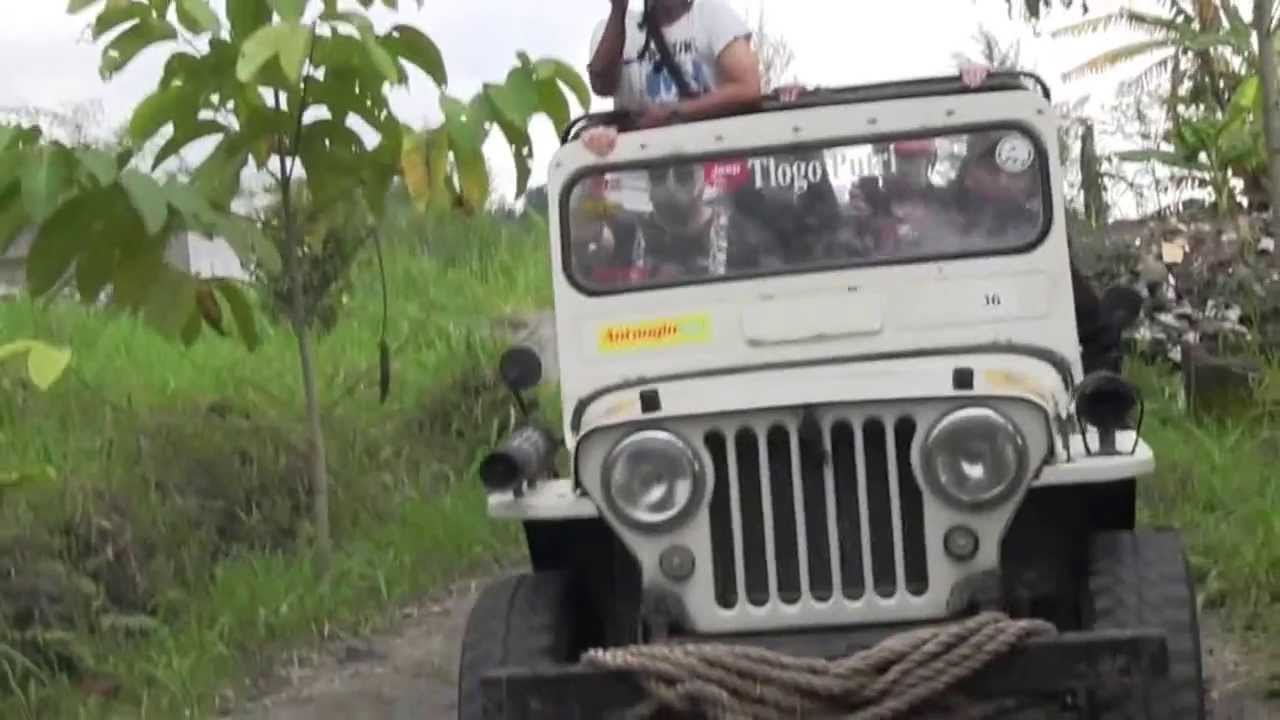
column 413, row 167
column 191, row 205
column 294, row 45
column 95, row 267
column 147, row 199
column 261, row 46
column 46, row 363
column 523, row 89
column 509, row 115
column 552, row 101
column 248, row 241
column 551, row 68
column 170, row 105
column 246, row 16
column 99, row 163
column 289, row 10
column 44, row 179
column 218, row 177
column 382, row 60
column 466, row 143
column 12, row 163
column 13, row 219
column 169, row 303
column 241, row 312
column 75, row 6
column 1245, row 98
column 113, row 16
column 358, row 21
column 183, row 135
column 59, row 241
column 8, row 134
column 192, row 328
column 412, row 46
column 199, row 17
column 125, row 47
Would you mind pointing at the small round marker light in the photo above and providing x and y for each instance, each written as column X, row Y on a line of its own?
column 677, row 563
column 961, row 543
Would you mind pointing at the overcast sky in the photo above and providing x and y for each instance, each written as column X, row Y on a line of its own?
column 49, row 61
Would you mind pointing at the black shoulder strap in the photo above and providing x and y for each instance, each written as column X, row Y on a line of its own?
column 654, row 33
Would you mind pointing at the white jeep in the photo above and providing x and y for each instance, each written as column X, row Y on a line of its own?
column 823, row 380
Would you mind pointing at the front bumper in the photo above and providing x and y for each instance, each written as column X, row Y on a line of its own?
column 1070, row 664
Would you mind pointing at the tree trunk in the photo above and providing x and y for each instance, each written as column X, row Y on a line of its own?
column 319, row 466
column 319, row 463
column 1095, row 192
column 1270, row 108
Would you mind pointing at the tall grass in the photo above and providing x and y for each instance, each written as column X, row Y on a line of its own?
column 178, row 495
column 1216, row 481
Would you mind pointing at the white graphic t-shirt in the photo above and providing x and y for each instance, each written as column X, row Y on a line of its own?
column 696, row 41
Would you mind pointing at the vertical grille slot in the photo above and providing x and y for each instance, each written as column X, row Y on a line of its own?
column 848, row 515
column 786, row 543
column 723, row 571
column 884, row 575
column 813, row 479
column 755, row 565
column 911, row 501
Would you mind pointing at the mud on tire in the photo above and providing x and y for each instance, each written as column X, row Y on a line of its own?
column 524, row 619
column 1141, row 579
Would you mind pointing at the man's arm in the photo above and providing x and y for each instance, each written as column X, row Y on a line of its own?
column 739, row 71
column 605, row 68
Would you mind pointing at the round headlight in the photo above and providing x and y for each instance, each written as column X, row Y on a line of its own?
column 974, row 456
column 651, row 479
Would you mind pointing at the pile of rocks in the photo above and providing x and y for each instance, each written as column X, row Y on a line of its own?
column 1213, row 283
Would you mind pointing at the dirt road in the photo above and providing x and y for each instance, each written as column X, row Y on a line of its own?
column 408, row 672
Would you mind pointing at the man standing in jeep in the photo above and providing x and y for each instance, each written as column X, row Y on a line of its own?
column 677, row 59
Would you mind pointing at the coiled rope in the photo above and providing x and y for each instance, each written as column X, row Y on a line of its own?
column 901, row 674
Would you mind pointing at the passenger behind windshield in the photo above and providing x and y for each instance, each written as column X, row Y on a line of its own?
column 992, row 204
column 809, row 209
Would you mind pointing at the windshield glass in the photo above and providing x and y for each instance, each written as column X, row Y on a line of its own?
column 887, row 201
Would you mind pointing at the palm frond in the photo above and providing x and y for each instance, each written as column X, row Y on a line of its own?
column 1126, row 19
column 1144, row 80
column 1116, row 56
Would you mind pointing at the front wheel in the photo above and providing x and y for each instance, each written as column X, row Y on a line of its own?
column 1141, row 579
column 522, row 620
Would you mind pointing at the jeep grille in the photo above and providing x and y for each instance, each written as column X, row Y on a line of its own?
column 812, row 509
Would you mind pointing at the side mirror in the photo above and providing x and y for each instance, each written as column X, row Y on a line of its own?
column 1106, row 401
column 520, row 369
column 1120, row 306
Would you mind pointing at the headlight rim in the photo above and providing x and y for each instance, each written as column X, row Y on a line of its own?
column 1001, row 496
column 696, row 496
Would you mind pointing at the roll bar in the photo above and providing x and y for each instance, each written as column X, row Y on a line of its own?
column 848, row 95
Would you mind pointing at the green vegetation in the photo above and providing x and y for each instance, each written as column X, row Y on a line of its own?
column 1216, row 481
column 166, row 550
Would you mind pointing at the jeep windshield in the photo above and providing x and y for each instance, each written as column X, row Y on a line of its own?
column 887, row 201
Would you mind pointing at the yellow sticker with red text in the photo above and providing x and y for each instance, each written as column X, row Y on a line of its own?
column 655, row 334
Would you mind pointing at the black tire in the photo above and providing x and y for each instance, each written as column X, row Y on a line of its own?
column 522, row 620
column 1141, row 579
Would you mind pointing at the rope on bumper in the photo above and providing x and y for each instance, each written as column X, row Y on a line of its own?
column 901, row 674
